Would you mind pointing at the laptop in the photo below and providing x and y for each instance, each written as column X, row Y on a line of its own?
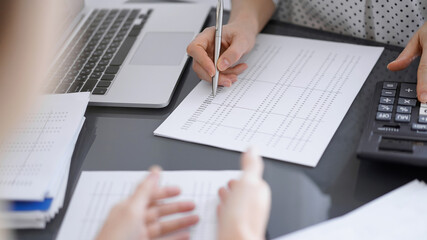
column 126, row 55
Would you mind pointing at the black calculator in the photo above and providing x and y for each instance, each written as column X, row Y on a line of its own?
column 396, row 130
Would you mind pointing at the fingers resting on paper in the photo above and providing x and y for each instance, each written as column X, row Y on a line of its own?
column 160, row 210
column 141, row 215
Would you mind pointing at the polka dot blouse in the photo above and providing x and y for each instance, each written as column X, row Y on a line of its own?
column 388, row 21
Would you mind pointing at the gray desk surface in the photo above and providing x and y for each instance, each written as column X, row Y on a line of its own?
column 122, row 139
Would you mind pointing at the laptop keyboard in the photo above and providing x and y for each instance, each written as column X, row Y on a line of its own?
column 95, row 55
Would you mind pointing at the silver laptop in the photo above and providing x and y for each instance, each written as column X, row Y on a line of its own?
column 129, row 55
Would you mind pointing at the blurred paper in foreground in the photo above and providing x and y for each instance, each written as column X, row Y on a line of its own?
column 400, row 214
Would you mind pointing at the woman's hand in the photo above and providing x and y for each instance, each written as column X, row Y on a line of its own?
column 139, row 216
column 237, row 39
column 417, row 46
column 245, row 205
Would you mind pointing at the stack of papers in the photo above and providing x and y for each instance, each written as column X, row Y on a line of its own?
column 35, row 162
column 97, row 192
column 400, row 214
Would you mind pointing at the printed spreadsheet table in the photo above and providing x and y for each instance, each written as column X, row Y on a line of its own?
column 98, row 192
column 288, row 103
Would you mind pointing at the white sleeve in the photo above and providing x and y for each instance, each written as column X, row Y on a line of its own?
column 276, row 2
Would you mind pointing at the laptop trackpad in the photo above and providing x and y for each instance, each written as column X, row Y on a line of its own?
column 162, row 48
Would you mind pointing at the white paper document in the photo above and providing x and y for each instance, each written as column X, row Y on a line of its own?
column 288, row 103
column 41, row 148
column 35, row 219
column 398, row 215
column 97, row 192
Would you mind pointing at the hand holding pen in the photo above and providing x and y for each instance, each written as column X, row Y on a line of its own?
column 237, row 39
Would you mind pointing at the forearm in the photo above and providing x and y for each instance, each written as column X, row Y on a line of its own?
column 255, row 13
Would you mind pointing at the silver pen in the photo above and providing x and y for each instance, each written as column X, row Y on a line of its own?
column 218, row 36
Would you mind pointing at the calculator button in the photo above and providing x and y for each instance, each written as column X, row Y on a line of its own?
column 404, row 109
column 387, row 100
column 402, row 118
column 419, row 127
column 408, row 90
column 390, row 85
column 423, row 111
column 383, row 116
column 385, row 108
column 407, row 102
column 388, row 93
column 422, row 119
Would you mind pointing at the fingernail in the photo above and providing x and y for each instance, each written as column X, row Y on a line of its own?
column 423, row 97
column 154, row 173
column 192, row 205
column 253, row 152
column 155, row 168
column 223, row 65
